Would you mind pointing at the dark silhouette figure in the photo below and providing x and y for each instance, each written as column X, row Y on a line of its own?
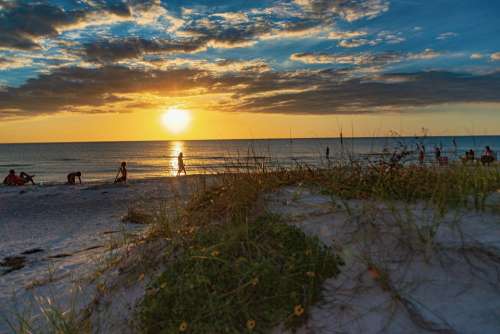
column 180, row 165
column 27, row 178
column 327, row 153
column 469, row 156
column 488, row 157
column 421, row 154
column 437, row 153
column 13, row 180
column 72, row 177
column 121, row 176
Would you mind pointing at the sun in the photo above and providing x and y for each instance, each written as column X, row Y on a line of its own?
column 176, row 120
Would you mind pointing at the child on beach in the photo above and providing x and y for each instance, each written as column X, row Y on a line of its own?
column 180, row 164
column 13, row 180
column 72, row 178
column 27, row 178
column 122, row 173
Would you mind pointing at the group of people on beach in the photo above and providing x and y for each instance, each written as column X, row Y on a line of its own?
column 487, row 157
column 12, row 179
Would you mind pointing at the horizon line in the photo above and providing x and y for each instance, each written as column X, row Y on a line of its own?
column 234, row 139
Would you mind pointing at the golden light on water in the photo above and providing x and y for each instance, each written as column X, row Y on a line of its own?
column 176, row 120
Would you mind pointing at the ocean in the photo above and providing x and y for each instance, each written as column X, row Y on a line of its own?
column 99, row 161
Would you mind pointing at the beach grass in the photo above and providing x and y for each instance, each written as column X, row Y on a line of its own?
column 232, row 267
column 245, row 277
column 227, row 241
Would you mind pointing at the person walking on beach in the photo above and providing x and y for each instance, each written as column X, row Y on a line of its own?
column 72, row 178
column 328, row 153
column 121, row 176
column 180, row 165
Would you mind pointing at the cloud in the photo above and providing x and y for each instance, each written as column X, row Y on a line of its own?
column 109, row 51
column 14, row 62
column 346, row 34
column 495, row 56
column 476, row 56
column 21, row 24
column 355, row 59
column 349, row 10
column 384, row 36
column 426, row 54
column 447, row 35
column 111, row 88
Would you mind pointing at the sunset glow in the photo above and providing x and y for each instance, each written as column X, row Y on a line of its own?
column 176, row 120
column 159, row 70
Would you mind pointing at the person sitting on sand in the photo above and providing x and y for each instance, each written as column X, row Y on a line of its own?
column 27, row 178
column 72, row 177
column 180, row 164
column 13, row 180
column 469, row 156
column 488, row 157
column 122, row 173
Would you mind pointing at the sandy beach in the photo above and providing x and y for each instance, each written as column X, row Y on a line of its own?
column 56, row 236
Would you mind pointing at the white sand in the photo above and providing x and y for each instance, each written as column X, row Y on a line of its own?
column 74, row 226
column 448, row 285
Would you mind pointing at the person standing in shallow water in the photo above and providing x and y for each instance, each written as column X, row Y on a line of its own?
column 180, row 164
column 73, row 176
column 327, row 153
column 122, row 173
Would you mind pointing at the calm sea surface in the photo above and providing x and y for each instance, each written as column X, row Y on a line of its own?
column 100, row 161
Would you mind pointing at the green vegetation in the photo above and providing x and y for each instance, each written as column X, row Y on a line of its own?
column 233, row 268
column 237, row 278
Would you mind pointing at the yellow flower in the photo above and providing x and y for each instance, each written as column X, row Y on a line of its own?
column 254, row 281
column 298, row 310
column 183, row 326
column 251, row 324
column 163, row 285
column 311, row 274
column 215, row 253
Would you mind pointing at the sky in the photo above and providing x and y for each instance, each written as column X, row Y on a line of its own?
column 101, row 70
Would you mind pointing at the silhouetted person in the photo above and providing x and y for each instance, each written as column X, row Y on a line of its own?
column 421, row 154
column 469, row 156
column 72, row 177
column 488, row 157
column 437, row 153
column 27, row 178
column 327, row 153
column 13, row 180
column 180, row 165
column 122, row 173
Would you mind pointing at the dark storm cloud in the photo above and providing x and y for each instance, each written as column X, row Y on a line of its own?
column 297, row 92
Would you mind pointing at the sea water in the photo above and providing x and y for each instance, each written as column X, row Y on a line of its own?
column 99, row 161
